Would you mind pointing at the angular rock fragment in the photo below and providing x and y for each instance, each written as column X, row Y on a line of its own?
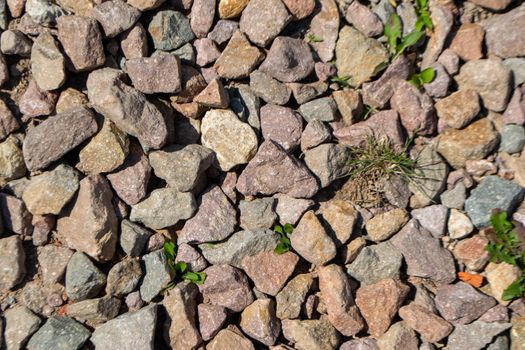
column 238, row 59
column 311, row 241
column 158, row 74
column 258, row 321
column 12, row 262
column 83, row 279
column 288, row 60
column 115, row 17
column 47, row 63
column 263, row 20
column 59, row 332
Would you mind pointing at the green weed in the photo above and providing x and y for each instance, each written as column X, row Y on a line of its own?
column 342, row 81
column 424, row 77
column 284, row 244
column 180, row 269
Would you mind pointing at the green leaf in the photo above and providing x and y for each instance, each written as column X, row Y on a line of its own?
column 314, row 38
column 278, row 229
column 416, row 81
column 409, row 40
column 288, row 229
column 342, row 81
column 282, row 248
column 170, row 250
column 515, row 290
column 393, row 31
column 195, row 277
column 180, row 268
column 500, row 222
column 428, row 22
column 427, row 75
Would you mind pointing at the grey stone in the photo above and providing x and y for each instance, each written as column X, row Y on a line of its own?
column 475, row 336
column 362, row 18
column 214, row 220
column 59, row 333
column 123, row 277
column 315, row 133
column 132, row 330
column 408, row 15
column 512, row 138
column 181, row 166
column 454, row 197
column 191, row 256
column 20, row 324
column 424, row 255
column 263, row 20
column 433, row 218
column 83, row 279
column 186, row 54
column 238, row 246
column 223, row 31
column 375, row 263
column 492, row 193
column 328, row 162
column 170, row 30
column 442, row 20
column 12, row 262
column 323, row 109
column 258, row 214
column 115, row 17
column 517, row 66
column 133, row 238
column 157, row 274
column 291, row 209
column 44, row 12
column 503, row 40
column 163, row 208
column 291, row 298
column 308, row 91
column 246, row 105
column 325, row 24
column 269, row 89
column 95, row 310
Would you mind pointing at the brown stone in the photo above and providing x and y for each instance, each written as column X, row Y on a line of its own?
column 300, row 8
column 432, row 327
column 35, row 102
column 311, row 241
column 468, row 42
column 231, row 8
column 8, row 122
column 259, row 322
column 472, row 252
column 458, row 109
column 239, row 58
column 340, row 217
column 158, row 74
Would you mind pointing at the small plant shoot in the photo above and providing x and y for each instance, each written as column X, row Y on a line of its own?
column 424, row 77
column 341, row 81
column 507, row 244
column 314, row 38
column 284, row 244
column 180, row 269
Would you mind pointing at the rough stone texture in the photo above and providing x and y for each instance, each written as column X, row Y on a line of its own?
column 89, row 224
column 59, row 333
column 258, row 214
column 230, row 338
column 170, row 30
column 8, row 122
column 325, row 24
column 357, row 56
column 492, row 193
column 328, row 162
column 288, row 60
column 504, row 40
column 300, row 8
column 123, row 277
column 416, row 110
column 472, row 252
column 490, row 79
column 375, row 263
column 383, row 226
column 476, row 335
column 231, row 8
column 223, row 30
column 115, row 17
column 258, row 321
column 238, row 59
column 474, row 142
column 144, row 5
column 311, row 241
column 20, row 324
column 263, row 20
column 12, row 262
column 47, row 63
column 499, row 277
column 340, row 218
column 424, row 255
column 181, row 305
column 261, row 270
column 282, row 125
column 36, row 102
column 233, row 141
column 432, row 327
column 337, row 297
column 16, row 217
column 68, row 130
column 53, row 261
column 379, row 303
column 432, row 178
column 363, row 19
column 214, row 220
column 127, row 108
column 461, row 303
column 291, row 209
column 324, row 109
column 227, row 286
column 238, row 246
column 82, row 42
column 272, row 171
column 311, row 334
column 398, row 336
column 458, row 109
column 315, row 133
column 291, row 298
column 157, row 274
column 133, row 42
column 442, row 20
column 158, row 74
column 83, row 279
column 211, row 320
column 128, row 331
column 163, row 208
column 269, row 89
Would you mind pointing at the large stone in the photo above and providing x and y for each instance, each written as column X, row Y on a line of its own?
column 336, row 295
column 44, row 12
column 83, row 279
column 214, row 220
column 311, row 241
column 14, row 42
column 291, row 298
column 157, row 274
column 282, row 125
column 158, row 74
column 260, row 268
column 20, row 324
column 211, row 319
column 398, row 336
column 123, row 277
column 82, row 42
column 59, row 333
column 475, row 336
column 181, row 305
column 311, row 334
column 257, row 214
column 115, row 17
column 325, row 25
column 415, row 108
column 238, row 59
column 431, row 327
column 89, row 224
column 490, row 79
column 500, row 277
column 230, row 338
column 506, row 40
column 363, row 19
column 315, row 133
column 340, row 218
column 424, row 255
column 231, row 8
column 56, row 136
column 12, row 262
column 288, row 60
column 458, row 109
column 383, row 226
column 47, row 63
column 263, row 20
column 16, row 217
column 53, row 262
column 170, row 30
column 182, row 167
column 375, row 263
column 105, row 152
column 233, row 141
column 258, row 321
column 202, row 15
column 134, row 43
column 240, row 245
column 272, row 171
column 269, row 89
column 323, row 109
column 358, row 56
column 94, row 311
column 132, row 330
column 127, row 108
column 492, row 193
column 474, row 142
column 36, row 102
column 379, row 303
column 328, row 162
column 227, row 286
column 163, row 208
